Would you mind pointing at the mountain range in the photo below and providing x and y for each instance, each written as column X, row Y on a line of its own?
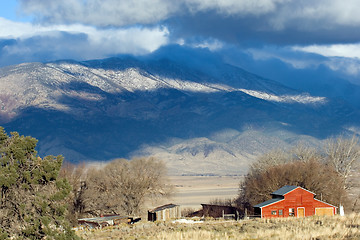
column 189, row 108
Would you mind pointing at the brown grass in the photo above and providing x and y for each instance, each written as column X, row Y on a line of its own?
column 318, row 228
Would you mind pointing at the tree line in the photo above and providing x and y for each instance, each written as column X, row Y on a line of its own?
column 325, row 171
column 42, row 197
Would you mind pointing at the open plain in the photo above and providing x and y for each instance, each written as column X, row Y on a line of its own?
column 191, row 191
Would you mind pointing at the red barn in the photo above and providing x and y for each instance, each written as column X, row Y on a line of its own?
column 293, row 201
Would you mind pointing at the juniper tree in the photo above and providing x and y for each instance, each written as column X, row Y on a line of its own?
column 33, row 198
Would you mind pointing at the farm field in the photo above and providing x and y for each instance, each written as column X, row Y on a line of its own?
column 191, row 191
column 337, row 227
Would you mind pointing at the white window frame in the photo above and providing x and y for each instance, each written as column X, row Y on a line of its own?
column 293, row 212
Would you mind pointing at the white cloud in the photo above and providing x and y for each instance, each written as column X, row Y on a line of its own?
column 285, row 55
column 113, row 40
column 10, row 29
column 131, row 40
column 334, row 50
column 346, row 65
column 339, row 11
column 31, row 42
column 342, row 60
column 211, row 44
column 340, row 57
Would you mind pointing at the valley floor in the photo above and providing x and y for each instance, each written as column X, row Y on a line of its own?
column 191, row 191
column 337, row 227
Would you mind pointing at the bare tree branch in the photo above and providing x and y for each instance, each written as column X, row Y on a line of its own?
column 342, row 154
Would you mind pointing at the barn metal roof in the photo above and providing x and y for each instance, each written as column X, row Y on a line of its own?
column 163, row 207
column 284, row 190
column 103, row 219
column 268, row 202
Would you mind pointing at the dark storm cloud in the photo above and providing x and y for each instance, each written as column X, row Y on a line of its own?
column 280, row 22
column 272, row 31
column 254, row 31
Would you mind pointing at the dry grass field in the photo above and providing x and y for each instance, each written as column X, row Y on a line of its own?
column 337, row 227
column 191, row 191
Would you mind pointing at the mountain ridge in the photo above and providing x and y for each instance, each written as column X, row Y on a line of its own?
column 124, row 107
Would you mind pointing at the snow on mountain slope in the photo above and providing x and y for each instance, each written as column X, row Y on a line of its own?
column 123, row 107
column 42, row 85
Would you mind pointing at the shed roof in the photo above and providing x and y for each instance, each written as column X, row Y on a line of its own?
column 163, row 207
column 268, row 202
column 216, row 205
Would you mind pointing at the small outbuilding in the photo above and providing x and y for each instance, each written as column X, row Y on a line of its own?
column 165, row 212
column 293, row 201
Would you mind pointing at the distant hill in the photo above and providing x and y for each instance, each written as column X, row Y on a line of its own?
column 200, row 115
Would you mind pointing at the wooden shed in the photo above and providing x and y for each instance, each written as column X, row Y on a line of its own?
column 165, row 212
column 293, row 201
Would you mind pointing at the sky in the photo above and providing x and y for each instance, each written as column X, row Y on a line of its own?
column 303, row 37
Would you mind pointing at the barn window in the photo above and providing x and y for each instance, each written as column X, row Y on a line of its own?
column 273, row 212
column 280, row 212
column 291, row 212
